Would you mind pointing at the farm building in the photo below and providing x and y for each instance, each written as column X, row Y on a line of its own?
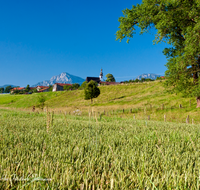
column 44, row 89
column 17, row 88
column 59, row 86
column 41, row 87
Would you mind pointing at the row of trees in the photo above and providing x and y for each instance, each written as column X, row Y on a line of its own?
column 24, row 91
column 6, row 89
column 143, row 80
column 73, row 87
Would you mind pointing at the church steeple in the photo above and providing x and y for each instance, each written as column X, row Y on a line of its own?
column 101, row 75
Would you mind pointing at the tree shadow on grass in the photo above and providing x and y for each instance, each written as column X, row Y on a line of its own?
column 118, row 98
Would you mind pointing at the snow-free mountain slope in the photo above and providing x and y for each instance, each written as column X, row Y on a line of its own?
column 62, row 78
column 148, row 76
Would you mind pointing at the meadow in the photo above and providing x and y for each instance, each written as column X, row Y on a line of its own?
column 143, row 99
column 61, row 151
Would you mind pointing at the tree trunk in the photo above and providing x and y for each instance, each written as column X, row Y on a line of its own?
column 91, row 100
column 195, row 73
column 198, row 102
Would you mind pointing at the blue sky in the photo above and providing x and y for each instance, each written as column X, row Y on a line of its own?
column 40, row 39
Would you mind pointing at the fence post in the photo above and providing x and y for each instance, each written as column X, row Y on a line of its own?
column 180, row 106
column 33, row 108
column 52, row 115
column 148, row 117
column 164, row 118
column 162, row 107
column 192, row 121
column 187, row 119
column 130, row 110
column 134, row 116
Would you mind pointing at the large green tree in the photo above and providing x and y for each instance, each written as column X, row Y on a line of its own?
column 177, row 23
column 110, row 78
column 91, row 90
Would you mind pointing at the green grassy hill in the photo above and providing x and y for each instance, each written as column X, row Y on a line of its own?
column 143, row 98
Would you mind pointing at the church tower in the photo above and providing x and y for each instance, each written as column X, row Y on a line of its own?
column 101, row 75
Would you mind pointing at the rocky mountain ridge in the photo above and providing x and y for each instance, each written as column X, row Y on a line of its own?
column 64, row 77
column 148, row 76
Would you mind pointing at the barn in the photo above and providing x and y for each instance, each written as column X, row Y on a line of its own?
column 59, row 86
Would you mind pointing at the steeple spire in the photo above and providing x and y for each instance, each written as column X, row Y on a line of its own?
column 101, row 75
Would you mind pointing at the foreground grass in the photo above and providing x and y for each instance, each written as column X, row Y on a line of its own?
column 74, row 152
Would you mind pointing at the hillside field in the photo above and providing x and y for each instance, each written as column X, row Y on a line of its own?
column 45, row 151
column 138, row 100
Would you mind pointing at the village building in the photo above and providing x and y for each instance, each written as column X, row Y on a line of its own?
column 100, row 80
column 31, row 88
column 59, row 86
column 101, row 75
column 17, row 88
column 96, row 79
column 41, row 87
column 44, row 90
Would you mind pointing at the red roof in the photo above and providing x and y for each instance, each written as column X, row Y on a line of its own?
column 43, row 89
column 162, row 77
column 18, row 88
column 62, row 84
column 42, row 86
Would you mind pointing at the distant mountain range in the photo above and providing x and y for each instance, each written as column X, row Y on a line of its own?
column 4, row 86
column 64, row 77
column 148, row 76
column 71, row 79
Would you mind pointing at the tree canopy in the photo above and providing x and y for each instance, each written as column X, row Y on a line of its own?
column 27, row 89
column 91, row 90
column 177, row 23
column 7, row 89
column 83, row 85
column 1, row 90
column 74, row 86
column 110, row 78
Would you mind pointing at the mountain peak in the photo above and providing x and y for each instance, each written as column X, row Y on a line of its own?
column 64, row 77
column 148, row 76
